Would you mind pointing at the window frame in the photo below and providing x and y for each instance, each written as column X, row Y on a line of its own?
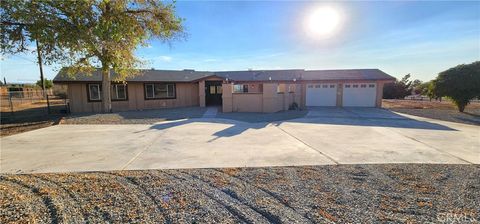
column 159, row 98
column 243, row 88
column 89, row 99
column 126, row 91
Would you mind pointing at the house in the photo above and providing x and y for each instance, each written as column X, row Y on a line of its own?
column 235, row 91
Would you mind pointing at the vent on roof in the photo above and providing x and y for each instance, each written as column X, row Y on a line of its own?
column 189, row 70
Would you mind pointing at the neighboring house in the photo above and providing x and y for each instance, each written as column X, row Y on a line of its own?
column 234, row 91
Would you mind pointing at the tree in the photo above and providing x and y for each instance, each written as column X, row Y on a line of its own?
column 416, row 86
column 85, row 35
column 461, row 84
column 48, row 83
column 398, row 89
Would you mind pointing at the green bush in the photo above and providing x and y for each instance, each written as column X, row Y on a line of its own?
column 460, row 83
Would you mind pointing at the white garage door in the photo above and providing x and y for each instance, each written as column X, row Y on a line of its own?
column 321, row 94
column 359, row 94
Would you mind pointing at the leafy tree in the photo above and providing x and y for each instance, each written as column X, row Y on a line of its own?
column 85, row 35
column 398, row 89
column 416, row 86
column 460, row 83
column 48, row 83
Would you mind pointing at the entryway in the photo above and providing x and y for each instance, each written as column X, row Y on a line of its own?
column 213, row 93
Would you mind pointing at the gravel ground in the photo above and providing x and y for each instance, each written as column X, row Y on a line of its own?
column 136, row 117
column 444, row 110
column 467, row 117
column 314, row 194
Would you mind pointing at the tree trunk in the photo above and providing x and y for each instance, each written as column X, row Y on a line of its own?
column 461, row 108
column 106, row 100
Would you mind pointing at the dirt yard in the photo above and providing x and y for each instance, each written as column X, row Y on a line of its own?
column 316, row 194
column 444, row 110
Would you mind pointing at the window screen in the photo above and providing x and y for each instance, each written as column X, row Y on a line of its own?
column 159, row 91
column 119, row 92
column 94, row 92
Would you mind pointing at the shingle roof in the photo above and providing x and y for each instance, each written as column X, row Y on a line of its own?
column 261, row 75
column 145, row 75
column 250, row 75
column 346, row 74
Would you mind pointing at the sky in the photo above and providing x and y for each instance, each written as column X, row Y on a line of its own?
column 399, row 37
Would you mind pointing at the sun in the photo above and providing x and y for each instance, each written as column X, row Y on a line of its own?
column 323, row 22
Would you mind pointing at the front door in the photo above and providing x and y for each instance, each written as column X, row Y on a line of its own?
column 213, row 93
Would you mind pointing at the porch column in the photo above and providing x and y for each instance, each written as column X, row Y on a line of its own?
column 227, row 97
column 201, row 93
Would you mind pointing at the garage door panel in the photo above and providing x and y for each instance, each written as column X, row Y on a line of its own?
column 321, row 94
column 359, row 94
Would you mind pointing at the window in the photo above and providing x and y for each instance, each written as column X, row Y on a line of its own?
column 371, row 86
column 291, row 88
column 119, row 92
column 363, row 86
column 324, row 86
column 332, row 86
column 240, row 88
column 355, row 86
column 347, row 86
column 310, row 86
column 317, row 86
column 159, row 90
column 94, row 92
column 212, row 89
column 219, row 89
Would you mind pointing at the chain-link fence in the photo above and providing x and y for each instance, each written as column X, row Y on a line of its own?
column 31, row 105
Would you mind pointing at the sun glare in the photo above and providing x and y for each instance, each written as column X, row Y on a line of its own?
column 323, row 22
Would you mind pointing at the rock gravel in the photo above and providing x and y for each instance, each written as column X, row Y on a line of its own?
column 416, row 193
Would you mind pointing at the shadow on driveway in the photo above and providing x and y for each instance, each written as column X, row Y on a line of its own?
column 371, row 117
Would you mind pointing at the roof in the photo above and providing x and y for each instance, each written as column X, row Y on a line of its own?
column 151, row 75
column 145, row 75
column 346, row 74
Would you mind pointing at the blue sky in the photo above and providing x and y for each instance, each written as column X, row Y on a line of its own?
column 421, row 38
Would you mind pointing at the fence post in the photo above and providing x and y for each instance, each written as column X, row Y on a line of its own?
column 48, row 105
column 10, row 101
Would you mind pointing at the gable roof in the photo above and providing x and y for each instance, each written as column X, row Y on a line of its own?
column 151, row 75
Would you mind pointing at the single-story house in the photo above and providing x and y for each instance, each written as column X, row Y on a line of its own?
column 235, row 91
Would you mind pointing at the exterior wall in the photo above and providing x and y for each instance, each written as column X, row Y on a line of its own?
column 201, row 93
column 193, row 94
column 186, row 95
column 267, row 101
column 378, row 102
column 247, row 102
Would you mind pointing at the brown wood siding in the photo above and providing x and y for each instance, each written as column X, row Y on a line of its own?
column 186, row 95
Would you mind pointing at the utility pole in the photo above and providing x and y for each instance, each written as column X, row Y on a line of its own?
column 39, row 55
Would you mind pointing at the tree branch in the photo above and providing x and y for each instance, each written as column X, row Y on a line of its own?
column 8, row 23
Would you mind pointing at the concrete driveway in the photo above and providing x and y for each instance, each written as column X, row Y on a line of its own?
column 323, row 136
